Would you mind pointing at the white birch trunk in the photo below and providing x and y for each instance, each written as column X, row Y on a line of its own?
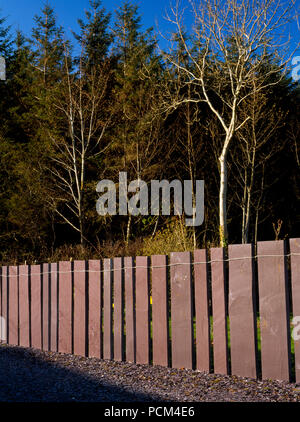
column 223, row 200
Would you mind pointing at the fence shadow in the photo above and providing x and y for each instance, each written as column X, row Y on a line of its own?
column 28, row 377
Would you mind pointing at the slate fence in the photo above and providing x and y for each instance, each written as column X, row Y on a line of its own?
column 227, row 311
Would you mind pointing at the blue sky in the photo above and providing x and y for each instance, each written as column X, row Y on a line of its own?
column 20, row 13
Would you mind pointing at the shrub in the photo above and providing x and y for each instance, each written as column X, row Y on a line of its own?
column 176, row 237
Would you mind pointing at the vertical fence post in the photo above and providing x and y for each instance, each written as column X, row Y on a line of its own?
column 95, row 314
column 118, row 310
column 129, row 310
column 13, row 306
column 219, row 311
column 4, row 307
column 36, row 306
column 65, row 307
column 80, row 311
column 202, row 311
column 160, row 314
column 274, row 314
column 24, row 305
column 181, row 310
column 142, row 310
column 46, row 307
column 107, row 310
column 295, row 282
column 53, row 307
column 242, row 311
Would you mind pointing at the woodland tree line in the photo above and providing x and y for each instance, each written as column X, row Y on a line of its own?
column 74, row 112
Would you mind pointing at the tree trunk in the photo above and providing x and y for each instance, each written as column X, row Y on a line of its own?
column 81, row 218
column 244, row 212
column 247, row 217
column 128, row 231
column 223, row 200
column 81, row 228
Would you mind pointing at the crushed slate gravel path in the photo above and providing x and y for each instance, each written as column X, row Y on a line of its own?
column 30, row 375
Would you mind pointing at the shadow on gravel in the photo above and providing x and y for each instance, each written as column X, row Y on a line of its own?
column 27, row 377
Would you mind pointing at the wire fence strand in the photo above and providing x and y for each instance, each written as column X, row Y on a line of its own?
column 133, row 267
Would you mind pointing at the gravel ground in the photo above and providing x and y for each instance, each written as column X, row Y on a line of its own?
column 30, row 375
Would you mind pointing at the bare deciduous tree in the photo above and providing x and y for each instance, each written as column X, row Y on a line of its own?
column 80, row 104
column 253, row 153
column 234, row 40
